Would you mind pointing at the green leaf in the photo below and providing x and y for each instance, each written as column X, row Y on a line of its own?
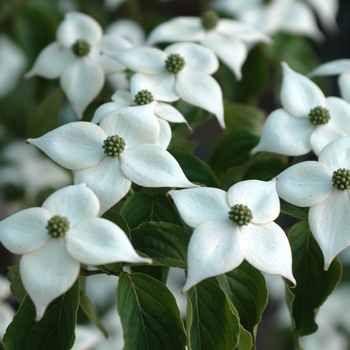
column 314, row 284
column 149, row 314
column 160, row 273
column 114, row 216
column 45, row 117
column 144, row 207
column 210, row 322
column 246, row 288
column 165, row 243
column 292, row 210
column 55, row 331
column 16, row 286
column 195, row 170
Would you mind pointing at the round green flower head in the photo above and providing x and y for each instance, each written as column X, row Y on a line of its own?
column 319, row 116
column 143, row 97
column 174, row 63
column 113, row 146
column 341, row 179
column 209, row 19
column 81, row 48
column 57, row 226
column 240, row 214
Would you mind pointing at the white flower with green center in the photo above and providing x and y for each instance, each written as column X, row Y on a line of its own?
column 232, row 226
column 226, row 37
column 77, row 59
column 57, row 237
column 109, row 157
column 324, row 187
column 164, row 112
column 180, row 71
column 308, row 120
column 337, row 67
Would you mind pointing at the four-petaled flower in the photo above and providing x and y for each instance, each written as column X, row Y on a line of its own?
column 308, row 121
column 324, row 187
column 55, row 238
column 232, row 226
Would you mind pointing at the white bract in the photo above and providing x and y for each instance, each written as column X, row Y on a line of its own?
column 324, row 187
column 55, row 238
column 182, row 70
column 232, row 226
column 341, row 67
column 226, row 37
column 111, row 156
column 78, row 58
column 308, row 120
column 6, row 311
column 164, row 112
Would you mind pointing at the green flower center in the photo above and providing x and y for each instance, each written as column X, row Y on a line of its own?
column 57, row 226
column 209, row 19
column 174, row 63
column 240, row 214
column 81, row 48
column 341, row 179
column 113, row 146
column 143, row 97
column 319, row 116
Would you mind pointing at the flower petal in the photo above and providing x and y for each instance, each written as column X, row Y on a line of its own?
column 128, row 29
column 327, row 12
column 305, row 184
column 169, row 113
column 299, row 94
column 284, row 134
column 177, row 29
column 75, row 146
column 203, row 91
column 81, row 81
column 162, row 86
column 164, row 134
column 330, row 224
column 76, row 26
column 259, row 196
column 197, row 58
column 25, row 231
column 215, row 247
column 336, row 154
column 147, row 60
column 76, row 203
column 51, row 62
column 339, row 111
column 151, row 166
column 232, row 52
column 332, row 68
column 99, row 241
column 47, row 273
column 103, row 110
column 202, row 204
column 106, row 180
column 268, row 249
column 344, row 85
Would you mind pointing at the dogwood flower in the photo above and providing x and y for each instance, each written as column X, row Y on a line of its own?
column 324, row 187
column 163, row 111
column 182, row 70
column 109, row 157
column 55, row 238
column 76, row 57
column 336, row 67
column 226, row 37
column 308, row 121
column 232, row 226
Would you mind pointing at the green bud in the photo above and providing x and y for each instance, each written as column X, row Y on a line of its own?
column 57, row 226
column 341, row 179
column 143, row 97
column 113, row 146
column 81, row 48
column 240, row 214
column 319, row 116
column 209, row 19
column 174, row 63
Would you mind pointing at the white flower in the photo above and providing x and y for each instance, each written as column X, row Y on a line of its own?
column 163, row 111
column 180, row 71
column 324, row 187
column 226, row 37
column 6, row 311
column 51, row 256
column 12, row 64
column 133, row 156
column 336, row 67
column 308, row 121
column 232, row 226
column 76, row 57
